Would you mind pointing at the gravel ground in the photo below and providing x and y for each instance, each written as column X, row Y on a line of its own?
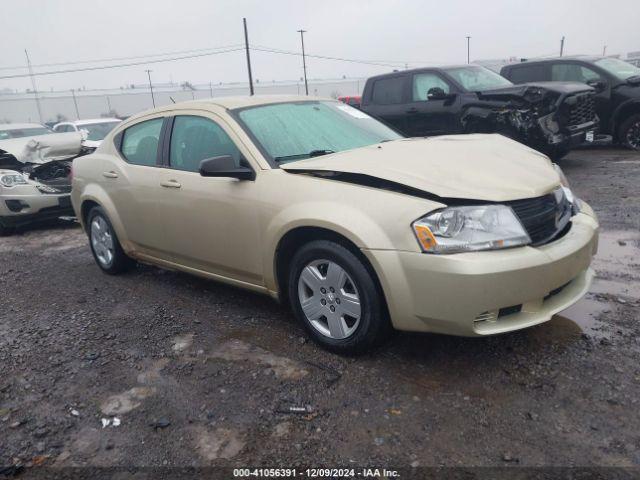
column 199, row 374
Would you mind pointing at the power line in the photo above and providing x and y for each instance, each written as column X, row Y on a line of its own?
column 325, row 57
column 131, row 64
column 113, row 59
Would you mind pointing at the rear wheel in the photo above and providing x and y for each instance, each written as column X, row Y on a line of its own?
column 336, row 298
column 629, row 132
column 104, row 243
column 5, row 231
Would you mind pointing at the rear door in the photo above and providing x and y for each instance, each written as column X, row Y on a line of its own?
column 133, row 185
column 212, row 224
column 430, row 116
column 387, row 101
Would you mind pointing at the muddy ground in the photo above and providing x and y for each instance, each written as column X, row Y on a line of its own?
column 198, row 373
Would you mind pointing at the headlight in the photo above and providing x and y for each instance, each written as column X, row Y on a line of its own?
column 12, row 179
column 573, row 200
column 466, row 229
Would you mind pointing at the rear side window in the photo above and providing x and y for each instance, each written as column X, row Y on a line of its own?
column 571, row 72
column 140, row 142
column 388, row 91
column 423, row 82
column 530, row 73
column 194, row 139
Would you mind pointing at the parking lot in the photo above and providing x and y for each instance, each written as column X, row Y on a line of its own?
column 199, row 373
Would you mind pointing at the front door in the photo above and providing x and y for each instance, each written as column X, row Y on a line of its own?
column 428, row 115
column 212, row 223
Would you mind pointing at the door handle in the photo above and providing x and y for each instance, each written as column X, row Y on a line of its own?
column 170, row 184
column 412, row 110
column 110, row 174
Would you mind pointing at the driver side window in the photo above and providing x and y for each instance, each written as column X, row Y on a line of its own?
column 570, row 72
column 423, row 82
column 194, row 139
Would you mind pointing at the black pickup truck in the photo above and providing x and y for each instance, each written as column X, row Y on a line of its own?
column 616, row 84
column 551, row 117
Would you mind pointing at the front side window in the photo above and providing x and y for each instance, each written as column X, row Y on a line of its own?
column 618, row 68
column 388, row 91
column 571, row 72
column 477, row 79
column 140, row 142
column 423, row 82
column 297, row 130
column 194, row 139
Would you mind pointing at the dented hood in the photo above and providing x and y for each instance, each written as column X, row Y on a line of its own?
column 479, row 167
column 43, row 148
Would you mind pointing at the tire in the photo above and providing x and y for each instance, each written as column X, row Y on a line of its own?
column 6, row 231
column 104, row 243
column 344, row 308
column 629, row 132
column 557, row 153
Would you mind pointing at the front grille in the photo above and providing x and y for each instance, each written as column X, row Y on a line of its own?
column 580, row 108
column 543, row 217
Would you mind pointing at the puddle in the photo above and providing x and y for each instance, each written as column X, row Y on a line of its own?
column 618, row 264
column 126, row 401
column 584, row 315
column 182, row 342
column 238, row 351
column 221, row 443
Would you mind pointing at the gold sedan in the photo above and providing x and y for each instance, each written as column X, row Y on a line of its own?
column 361, row 230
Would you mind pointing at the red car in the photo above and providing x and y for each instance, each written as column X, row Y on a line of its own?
column 353, row 100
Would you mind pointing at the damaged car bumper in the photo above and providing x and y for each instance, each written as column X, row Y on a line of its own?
column 23, row 204
column 497, row 291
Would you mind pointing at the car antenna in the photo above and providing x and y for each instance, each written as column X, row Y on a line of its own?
column 172, row 99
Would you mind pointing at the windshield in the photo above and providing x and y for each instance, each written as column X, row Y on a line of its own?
column 618, row 68
column 293, row 131
column 476, row 78
column 24, row 132
column 97, row 131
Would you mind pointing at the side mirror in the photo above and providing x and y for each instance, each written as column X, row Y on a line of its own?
column 225, row 166
column 599, row 85
column 436, row 93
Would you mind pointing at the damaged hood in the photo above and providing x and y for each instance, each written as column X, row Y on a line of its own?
column 475, row 167
column 525, row 89
column 43, row 148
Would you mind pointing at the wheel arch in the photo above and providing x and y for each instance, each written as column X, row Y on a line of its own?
column 624, row 111
column 296, row 237
column 93, row 196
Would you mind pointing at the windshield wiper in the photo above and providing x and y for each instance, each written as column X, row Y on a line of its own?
column 312, row 153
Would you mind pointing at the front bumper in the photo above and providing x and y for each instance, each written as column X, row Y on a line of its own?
column 22, row 209
column 484, row 293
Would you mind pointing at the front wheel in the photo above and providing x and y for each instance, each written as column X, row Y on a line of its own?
column 335, row 297
column 104, row 243
column 629, row 133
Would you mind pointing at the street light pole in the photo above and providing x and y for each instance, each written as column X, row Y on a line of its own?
column 562, row 46
column 75, row 103
column 468, row 49
column 246, row 46
column 153, row 100
column 304, row 62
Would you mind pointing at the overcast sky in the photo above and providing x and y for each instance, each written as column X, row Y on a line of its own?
column 380, row 30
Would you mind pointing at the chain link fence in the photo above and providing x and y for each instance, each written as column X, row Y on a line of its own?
column 60, row 106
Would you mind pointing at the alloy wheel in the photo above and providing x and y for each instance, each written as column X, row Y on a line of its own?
column 102, row 241
column 633, row 135
column 329, row 299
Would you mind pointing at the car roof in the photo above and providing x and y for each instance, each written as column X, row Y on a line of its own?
column 584, row 58
column 430, row 67
column 17, row 126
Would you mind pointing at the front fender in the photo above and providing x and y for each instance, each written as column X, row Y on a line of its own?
column 350, row 222
column 619, row 115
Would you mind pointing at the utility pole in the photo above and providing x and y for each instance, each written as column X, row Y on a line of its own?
column 246, row 46
column 562, row 46
column 75, row 103
column 109, row 104
column 33, row 84
column 211, row 89
column 304, row 62
column 468, row 49
column 604, row 51
column 153, row 100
